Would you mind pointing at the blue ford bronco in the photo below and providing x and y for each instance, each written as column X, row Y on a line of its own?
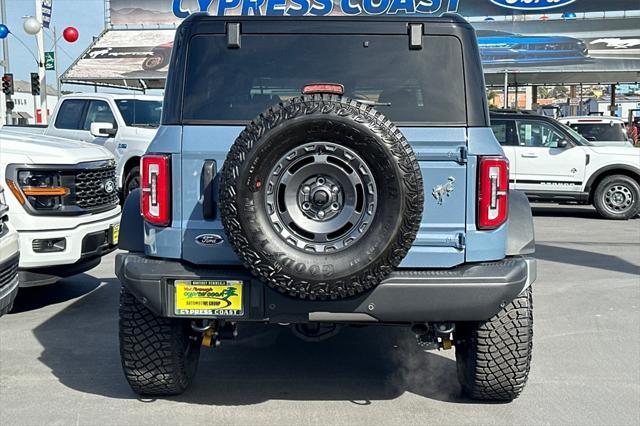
column 322, row 172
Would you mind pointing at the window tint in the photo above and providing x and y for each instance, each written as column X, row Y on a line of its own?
column 601, row 131
column 98, row 112
column 505, row 132
column 538, row 134
column 136, row 112
column 410, row 86
column 70, row 114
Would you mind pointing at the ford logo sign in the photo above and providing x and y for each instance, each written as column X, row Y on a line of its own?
column 109, row 186
column 531, row 4
column 209, row 240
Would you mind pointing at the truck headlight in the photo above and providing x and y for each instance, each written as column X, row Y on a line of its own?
column 42, row 189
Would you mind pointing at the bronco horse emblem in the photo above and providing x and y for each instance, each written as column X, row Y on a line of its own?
column 439, row 191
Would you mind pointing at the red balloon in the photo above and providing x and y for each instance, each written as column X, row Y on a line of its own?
column 71, row 34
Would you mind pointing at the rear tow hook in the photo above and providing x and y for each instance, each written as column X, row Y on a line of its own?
column 432, row 336
column 213, row 332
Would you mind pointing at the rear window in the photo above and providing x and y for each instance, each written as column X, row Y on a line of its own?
column 596, row 132
column 424, row 87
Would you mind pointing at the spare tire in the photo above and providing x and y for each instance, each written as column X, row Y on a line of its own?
column 321, row 197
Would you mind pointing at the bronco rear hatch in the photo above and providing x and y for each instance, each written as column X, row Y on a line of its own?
column 412, row 72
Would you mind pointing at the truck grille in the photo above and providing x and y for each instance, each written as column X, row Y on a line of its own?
column 8, row 271
column 95, row 188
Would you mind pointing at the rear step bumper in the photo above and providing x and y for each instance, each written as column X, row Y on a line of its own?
column 470, row 292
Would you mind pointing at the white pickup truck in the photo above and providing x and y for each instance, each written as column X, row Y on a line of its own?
column 124, row 124
column 63, row 202
column 551, row 162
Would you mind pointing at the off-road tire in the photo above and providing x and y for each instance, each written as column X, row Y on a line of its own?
column 493, row 357
column 626, row 182
column 131, row 181
column 159, row 355
column 340, row 121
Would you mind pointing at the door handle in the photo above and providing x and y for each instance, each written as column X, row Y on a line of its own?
column 529, row 155
column 209, row 204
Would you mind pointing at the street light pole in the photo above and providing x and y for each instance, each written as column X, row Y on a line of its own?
column 55, row 60
column 41, row 70
column 7, row 68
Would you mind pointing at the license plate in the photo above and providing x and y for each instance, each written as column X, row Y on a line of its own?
column 115, row 233
column 208, row 297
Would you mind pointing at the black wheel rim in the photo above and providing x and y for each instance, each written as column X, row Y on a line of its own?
column 321, row 197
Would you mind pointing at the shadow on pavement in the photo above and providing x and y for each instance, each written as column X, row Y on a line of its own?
column 360, row 365
column 31, row 298
column 589, row 259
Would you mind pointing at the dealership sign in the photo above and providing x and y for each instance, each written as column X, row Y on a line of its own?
column 316, row 7
column 532, row 4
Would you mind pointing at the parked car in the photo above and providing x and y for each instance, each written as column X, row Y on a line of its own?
column 62, row 200
column 551, row 162
column 9, row 257
column 501, row 47
column 601, row 131
column 124, row 124
column 269, row 197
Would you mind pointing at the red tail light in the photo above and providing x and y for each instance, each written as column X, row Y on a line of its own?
column 493, row 192
column 156, row 189
column 331, row 88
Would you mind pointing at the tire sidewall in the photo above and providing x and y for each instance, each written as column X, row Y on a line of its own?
column 348, row 271
column 601, row 190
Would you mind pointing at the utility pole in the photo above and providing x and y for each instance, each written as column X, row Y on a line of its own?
column 55, row 59
column 41, row 71
column 7, row 68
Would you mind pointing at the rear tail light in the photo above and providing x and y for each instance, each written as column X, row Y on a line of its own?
column 156, row 189
column 493, row 192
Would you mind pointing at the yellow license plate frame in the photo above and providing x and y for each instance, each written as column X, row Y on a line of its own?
column 219, row 298
column 115, row 233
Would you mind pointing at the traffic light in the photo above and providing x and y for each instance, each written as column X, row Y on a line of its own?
column 35, row 84
column 7, row 84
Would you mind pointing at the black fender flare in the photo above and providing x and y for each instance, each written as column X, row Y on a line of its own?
column 132, row 224
column 612, row 167
column 520, row 234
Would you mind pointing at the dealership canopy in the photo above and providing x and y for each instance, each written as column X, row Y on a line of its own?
column 542, row 42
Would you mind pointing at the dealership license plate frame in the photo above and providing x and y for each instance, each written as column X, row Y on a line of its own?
column 217, row 303
column 114, row 234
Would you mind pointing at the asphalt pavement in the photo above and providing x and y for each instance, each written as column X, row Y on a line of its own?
column 59, row 360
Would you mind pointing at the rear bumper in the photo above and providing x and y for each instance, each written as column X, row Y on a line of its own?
column 471, row 292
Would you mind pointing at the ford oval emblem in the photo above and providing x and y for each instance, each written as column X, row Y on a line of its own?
column 209, row 240
column 531, row 4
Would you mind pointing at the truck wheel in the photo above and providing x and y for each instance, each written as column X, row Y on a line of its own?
column 617, row 197
column 132, row 181
column 159, row 355
column 494, row 357
column 321, row 197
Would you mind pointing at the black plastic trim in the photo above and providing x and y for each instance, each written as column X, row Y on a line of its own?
column 635, row 172
column 520, row 234
column 132, row 224
column 471, row 292
column 579, row 197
